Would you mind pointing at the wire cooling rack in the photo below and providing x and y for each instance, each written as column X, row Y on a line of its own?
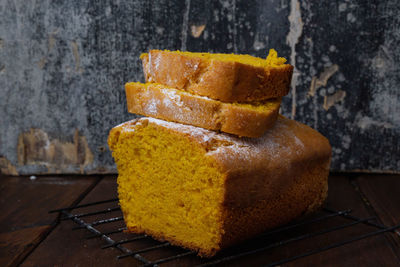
column 103, row 219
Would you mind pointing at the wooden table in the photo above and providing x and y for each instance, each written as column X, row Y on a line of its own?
column 30, row 236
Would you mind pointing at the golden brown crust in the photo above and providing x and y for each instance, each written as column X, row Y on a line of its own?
column 221, row 80
column 269, row 180
column 286, row 143
column 174, row 105
column 305, row 191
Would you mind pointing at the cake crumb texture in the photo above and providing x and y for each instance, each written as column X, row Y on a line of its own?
column 168, row 189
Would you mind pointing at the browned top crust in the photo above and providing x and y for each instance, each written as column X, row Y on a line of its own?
column 227, row 81
column 287, row 141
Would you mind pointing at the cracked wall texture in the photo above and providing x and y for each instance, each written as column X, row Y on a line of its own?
column 63, row 65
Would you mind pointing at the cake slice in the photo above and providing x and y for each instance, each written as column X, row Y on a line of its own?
column 205, row 190
column 163, row 102
column 224, row 77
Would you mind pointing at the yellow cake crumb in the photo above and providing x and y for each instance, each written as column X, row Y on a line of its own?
column 273, row 59
column 164, row 196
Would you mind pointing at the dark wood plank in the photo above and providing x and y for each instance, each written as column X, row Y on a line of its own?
column 16, row 243
column 382, row 195
column 64, row 245
column 374, row 251
column 24, row 207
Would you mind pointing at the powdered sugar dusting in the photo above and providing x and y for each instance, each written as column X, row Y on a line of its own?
column 173, row 96
column 206, row 138
column 192, row 66
column 151, row 106
column 154, row 62
column 198, row 133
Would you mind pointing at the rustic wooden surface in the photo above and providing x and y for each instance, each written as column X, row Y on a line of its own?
column 30, row 236
column 24, row 206
column 74, row 249
column 63, row 65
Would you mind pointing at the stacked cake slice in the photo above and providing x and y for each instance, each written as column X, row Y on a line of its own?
column 237, row 94
column 156, row 100
column 214, row 163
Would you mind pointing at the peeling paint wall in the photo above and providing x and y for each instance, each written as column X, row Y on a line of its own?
column 63, row 66
column 37, row 148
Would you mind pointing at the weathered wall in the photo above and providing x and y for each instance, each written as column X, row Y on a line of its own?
column 63, row 65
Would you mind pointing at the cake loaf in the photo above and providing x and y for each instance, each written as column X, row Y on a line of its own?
column 163, row 102
column 205, row 190
column 224, row 77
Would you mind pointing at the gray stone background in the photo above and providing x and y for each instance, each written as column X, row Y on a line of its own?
column 63, row 65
